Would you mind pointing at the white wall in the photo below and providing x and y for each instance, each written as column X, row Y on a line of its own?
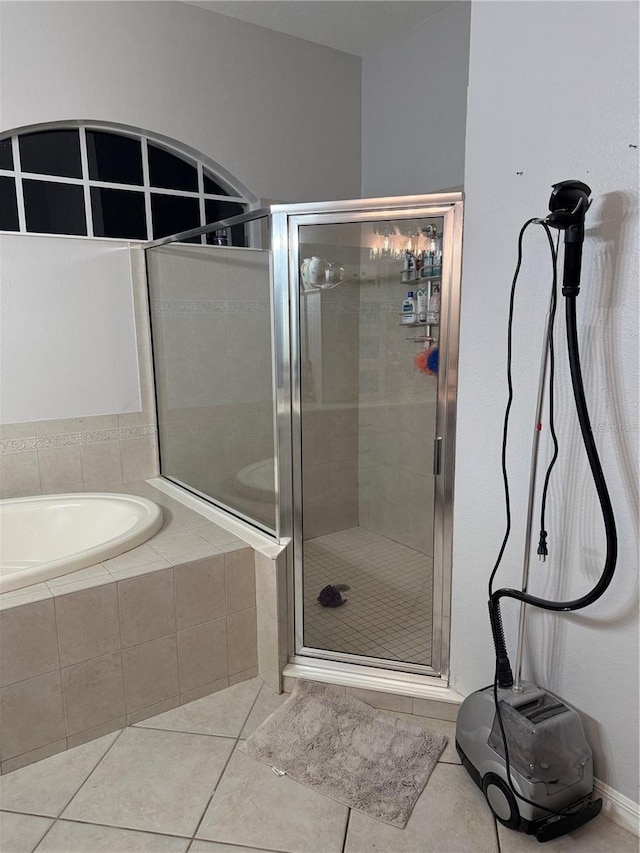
column 265, row 106
column 553, row 95
column 414, row 97
column 67, row 336
column 279, row 113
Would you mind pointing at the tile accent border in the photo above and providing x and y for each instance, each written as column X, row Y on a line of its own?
column 69, row 439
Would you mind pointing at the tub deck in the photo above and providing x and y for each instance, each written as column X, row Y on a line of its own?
column 185, row 535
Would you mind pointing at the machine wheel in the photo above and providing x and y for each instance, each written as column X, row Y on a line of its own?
column 501, row 800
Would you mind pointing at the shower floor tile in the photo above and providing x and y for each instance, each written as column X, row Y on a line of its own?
column 389, row 604
column 158, row 791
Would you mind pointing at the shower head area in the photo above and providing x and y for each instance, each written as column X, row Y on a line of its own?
column 305, row 363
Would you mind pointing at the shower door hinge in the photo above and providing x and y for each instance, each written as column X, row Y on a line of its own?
column 437, row 453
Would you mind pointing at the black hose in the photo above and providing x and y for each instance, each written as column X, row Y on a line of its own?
column 600, row 484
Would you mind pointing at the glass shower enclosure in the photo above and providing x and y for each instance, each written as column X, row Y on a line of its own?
column 302, row 389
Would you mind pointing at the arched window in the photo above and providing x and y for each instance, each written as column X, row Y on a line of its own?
column 94, row 180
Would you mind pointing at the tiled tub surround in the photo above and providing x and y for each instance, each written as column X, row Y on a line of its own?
column 88, row 453
column 161, row 625
column 76, row 454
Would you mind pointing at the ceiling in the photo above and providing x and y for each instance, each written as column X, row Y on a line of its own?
column 355, row 26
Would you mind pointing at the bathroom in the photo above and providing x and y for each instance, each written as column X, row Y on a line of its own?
column 307, row 122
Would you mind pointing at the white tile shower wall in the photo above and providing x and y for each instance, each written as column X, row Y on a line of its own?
column 89, row 452
column 397, row 416
column 329, row 337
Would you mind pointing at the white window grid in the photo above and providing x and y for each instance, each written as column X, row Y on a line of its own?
column 145, row 188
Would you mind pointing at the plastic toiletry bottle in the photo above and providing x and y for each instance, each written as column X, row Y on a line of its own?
column 409, row 309
column 406, row 265
column 433, row 309
column 421, row 300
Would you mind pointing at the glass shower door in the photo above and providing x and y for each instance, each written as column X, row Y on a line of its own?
column 370, row 407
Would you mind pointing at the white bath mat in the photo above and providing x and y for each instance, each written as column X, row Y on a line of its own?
column 349, row 751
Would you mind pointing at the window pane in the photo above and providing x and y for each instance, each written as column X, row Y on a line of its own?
column 51, row 152
column 54, row 208
column 172, row 214
column 8, row 205
column 118, row 213
column 215, row 210
column 6, row 154
column 170, row 172
column 113, row 158
column 210, row 186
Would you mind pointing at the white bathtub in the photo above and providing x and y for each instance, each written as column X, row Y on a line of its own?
column 46, row 536
column 257, row 480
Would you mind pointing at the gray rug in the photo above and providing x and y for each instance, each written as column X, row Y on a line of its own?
column 349, row 751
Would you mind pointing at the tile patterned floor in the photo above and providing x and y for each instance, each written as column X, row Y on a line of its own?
column 388, row 611
column 177, row 784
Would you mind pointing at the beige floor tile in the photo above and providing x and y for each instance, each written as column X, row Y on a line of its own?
column 67, row 837
column 599, row 836
column 47, row 786
column 215, row 847
column 266, row 703
column 451, row 816
column 254, row 807
column 20, row 833
column 153, row 780
column 222, row 713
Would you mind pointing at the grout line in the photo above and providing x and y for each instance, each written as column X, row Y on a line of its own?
column 253, row 704
column 45, row 833
column 100, row 760
column 64, row 703
column 124, row 688
column 215, row 788
column 104, row 825
column 346, row 831
column 91, row 771
column 497, row 834
column 180, row 731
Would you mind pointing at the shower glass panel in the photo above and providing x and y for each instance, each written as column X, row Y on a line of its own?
column 211, row 326
column 368, row 416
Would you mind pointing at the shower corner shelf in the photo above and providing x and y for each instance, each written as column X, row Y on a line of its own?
column 432, row 277
column 314, row 288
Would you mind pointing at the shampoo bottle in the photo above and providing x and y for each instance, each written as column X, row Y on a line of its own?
column 421, row 299
column 433, row 310
column 406, row 262
column 409, row 310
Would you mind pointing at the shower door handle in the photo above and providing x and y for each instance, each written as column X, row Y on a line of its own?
column 437, row 455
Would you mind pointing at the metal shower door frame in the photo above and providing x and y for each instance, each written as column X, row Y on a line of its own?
column 286, row 222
